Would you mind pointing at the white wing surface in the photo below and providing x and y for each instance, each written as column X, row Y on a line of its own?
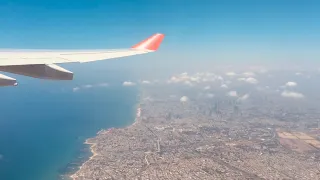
column 41, row 63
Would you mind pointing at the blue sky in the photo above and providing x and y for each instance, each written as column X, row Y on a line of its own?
column 206, row 29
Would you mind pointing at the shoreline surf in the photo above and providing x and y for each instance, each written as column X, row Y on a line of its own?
column 92, row 145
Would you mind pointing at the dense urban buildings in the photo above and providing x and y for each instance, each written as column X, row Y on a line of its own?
column 206, row 126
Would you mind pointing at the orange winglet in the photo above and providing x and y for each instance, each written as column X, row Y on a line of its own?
column 151, row 44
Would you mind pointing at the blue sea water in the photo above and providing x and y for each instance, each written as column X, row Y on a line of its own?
column 43, row 124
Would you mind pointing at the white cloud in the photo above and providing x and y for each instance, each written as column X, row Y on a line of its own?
column 251, row 80
column 75, row 89
column 298, row 73
column 195, row 79
column 248, row 74
column 201, row 73
column 232, row 93
column 128, row 83
column 184, row 74
column 291, row 84
column 184, row 99
column 231, row 74
column 146, row 82
column 291, row 94
column 224, row 86
column 88, row 86
column 181, row 78
column 173, row 79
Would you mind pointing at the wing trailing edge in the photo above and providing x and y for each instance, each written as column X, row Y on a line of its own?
column 41, row 71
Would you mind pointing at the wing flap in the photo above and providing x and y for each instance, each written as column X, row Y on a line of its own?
column 42, row 71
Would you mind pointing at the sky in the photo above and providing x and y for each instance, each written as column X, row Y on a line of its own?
column 206, row 31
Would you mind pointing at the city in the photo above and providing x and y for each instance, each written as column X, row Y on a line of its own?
column 181, row 134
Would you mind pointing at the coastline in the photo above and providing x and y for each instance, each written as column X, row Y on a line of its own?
column 93, row 152
column 93, row 144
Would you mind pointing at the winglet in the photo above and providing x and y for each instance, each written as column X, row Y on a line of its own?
column 150, row 44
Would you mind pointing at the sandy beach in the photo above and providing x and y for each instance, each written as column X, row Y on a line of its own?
column 92, row 145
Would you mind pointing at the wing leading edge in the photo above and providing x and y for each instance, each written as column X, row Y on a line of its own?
column 41, row 63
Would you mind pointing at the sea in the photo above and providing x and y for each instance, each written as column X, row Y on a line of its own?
column 44, row 124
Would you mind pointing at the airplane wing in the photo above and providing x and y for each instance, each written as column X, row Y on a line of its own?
column 42, row 63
